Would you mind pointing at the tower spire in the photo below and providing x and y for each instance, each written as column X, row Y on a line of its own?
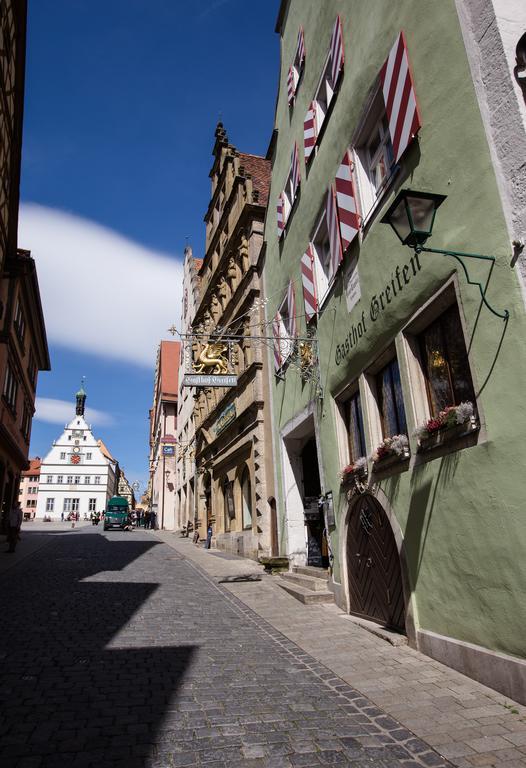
column 81, row 398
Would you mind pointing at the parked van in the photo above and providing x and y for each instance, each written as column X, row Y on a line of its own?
column 117, row 514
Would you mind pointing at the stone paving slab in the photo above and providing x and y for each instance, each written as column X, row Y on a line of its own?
column 466, row 722
column 119, row 651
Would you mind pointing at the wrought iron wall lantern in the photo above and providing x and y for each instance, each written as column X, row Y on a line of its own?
column 412, row 216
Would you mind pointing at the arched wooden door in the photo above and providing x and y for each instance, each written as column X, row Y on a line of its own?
column 373, row 565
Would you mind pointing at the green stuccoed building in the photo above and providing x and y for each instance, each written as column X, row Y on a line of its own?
column 395, row 293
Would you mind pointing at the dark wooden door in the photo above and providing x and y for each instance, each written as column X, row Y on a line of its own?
column 373, row 565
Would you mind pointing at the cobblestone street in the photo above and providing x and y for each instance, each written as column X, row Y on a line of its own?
column 118, row 651
column 122, row 650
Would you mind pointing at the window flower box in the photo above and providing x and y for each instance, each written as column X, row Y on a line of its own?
column 354, row 471
column 392, row 450
column 452, row 423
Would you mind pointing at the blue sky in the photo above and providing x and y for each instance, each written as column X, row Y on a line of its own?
column 122, row 100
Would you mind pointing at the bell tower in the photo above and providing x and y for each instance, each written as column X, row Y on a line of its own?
column 81, row 399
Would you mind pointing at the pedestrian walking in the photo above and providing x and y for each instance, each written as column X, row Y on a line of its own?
column 209, row 536
column 153, row 520
column 147, row 519
column 15, row 521
column 62, row 517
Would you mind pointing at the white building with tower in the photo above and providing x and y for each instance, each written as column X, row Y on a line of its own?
column 76, row 475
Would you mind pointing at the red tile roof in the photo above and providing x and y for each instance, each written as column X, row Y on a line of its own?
column 169, row 363
column 259, row 169
column 34, row 467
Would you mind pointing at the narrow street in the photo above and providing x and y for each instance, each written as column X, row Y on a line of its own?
column 132, row 656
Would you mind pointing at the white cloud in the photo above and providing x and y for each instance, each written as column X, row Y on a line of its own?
column 101, row 293
column 62, row 412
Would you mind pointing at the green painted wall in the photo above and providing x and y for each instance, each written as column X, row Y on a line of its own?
column 462, row 514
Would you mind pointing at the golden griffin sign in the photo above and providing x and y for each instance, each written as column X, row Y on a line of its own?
column 208, row 362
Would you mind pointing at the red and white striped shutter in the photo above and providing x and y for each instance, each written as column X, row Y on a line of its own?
column 309, row 132
column 276, row 323
column 295, row 170
column 347, row 202
column 291, row 305
column 400, row 98
column 300, row 48
column 291, row 86
column 309, row 288
column 280, row 215
column 333, row 225
column 337, row 52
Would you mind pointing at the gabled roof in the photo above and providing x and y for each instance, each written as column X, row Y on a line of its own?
column 105, row 451
column 259, row 169
column 169, row 368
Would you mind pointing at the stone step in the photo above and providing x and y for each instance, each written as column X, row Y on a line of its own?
column 306, row 596
column 309, row 582
column 310, row 570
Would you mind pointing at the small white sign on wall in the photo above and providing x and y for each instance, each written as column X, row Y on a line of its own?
column 352, row 284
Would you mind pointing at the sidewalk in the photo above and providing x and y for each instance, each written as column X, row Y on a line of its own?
column 464, row 721
column 33, row 536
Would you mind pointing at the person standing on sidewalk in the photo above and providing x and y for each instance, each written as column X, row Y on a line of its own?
column 209, row 536
column 15, row 521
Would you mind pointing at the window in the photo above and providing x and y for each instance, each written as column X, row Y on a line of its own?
column 329, row 78
column 390, row 400
column 26, row 422
column 297, row 67
column 70, row 479
column 374, row 157
column 50, row 478
column 291, row 185
column 86, row 480
column 285, row 327
column 246, row 497
column 32, row 489
column 321, row 251
column 92, row 505
column 19, row 322
column 31, row 503
column 354, row 423
column 323, row 97
column 62, row 456
column 60, row 478
column 32, row 368
column 97, row 479
column 10, row 387
column 228, row 503
column 445, row 363
column 77, row 479
column 33, row 479
column 50, row 505
column 71, row 505
column 88, row 456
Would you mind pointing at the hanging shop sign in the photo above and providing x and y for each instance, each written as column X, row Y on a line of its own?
column 208, row 362
column 379, row 304
column 168, row 450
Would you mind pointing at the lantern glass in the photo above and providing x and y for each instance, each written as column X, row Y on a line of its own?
column 412, row 215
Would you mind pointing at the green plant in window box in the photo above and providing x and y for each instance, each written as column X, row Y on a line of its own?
column 357, row 468
column 453, row 421
column 391, row 450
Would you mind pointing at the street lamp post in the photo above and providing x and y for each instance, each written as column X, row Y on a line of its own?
column 412, row 216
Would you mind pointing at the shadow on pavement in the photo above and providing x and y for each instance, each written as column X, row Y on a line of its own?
column 75, row 688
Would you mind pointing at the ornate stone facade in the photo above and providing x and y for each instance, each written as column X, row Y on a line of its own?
column 234, row 471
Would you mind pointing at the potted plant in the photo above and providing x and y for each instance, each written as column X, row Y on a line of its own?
column 391, row 451
column 453, row 422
